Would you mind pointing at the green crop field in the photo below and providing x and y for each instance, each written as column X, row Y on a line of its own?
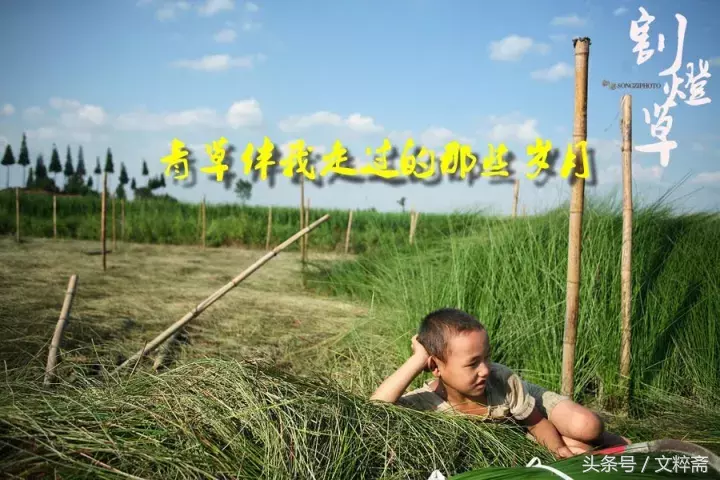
column 273, row 380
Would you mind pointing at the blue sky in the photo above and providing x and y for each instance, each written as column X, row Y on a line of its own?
column 132, row 75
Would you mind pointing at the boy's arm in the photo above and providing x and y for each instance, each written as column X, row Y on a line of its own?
column 394, row 386
column 546, row 434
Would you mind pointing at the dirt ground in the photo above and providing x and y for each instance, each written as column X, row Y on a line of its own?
column 146, row 288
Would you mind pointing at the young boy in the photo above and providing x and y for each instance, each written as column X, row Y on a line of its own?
column 455, row 347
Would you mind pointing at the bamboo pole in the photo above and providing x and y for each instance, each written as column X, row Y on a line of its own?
column 54, row 217
column 269, row 229
column 114, row 238
column 302, row 215
column 626, row 261
column 122, row 219
column 202, row 306
column 103, row 221
column 59, row 329
column 412, row 220
column 516, row 193
column 17, row 214
column 204, row 221
column 347, row 233
column 306, row 237
column 582, row 52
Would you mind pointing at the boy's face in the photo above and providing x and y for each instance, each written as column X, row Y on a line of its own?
column 467, row 364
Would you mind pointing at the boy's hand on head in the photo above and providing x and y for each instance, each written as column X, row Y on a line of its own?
column 419, row 352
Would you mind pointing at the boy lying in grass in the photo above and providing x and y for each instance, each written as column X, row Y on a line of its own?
column 455, row 347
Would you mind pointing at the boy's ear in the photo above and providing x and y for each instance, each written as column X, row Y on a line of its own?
column 433, row 366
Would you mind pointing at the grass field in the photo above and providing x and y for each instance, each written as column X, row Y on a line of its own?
column 274, row 379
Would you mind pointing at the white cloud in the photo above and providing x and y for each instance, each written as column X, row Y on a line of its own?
column 513, row 47
column 707, row 177
column 217, row 63
column 639, row 173
column 399, row 138
column 145, row 121
column 42, row 133
column 76, row 115
column 554, row 73
column 251, row 7
column 619, row 11
column 285, row 147
column 245, row 113
column 569, row 21
column 355, row 122
column 435, row 137
column 607, row 152
column 33, row 113
column 212, row 7
column 226, row 35
column 169, row 10
column 250, row 26
column 64, row 104
column 511, row 128
column 7, row 110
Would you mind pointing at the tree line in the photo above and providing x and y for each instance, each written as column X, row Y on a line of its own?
column 42, row 177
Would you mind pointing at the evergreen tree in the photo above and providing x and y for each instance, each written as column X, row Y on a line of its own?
column 133, row 186
column 124, row 179
column 97, row 171
column 80, row 170
column 89, row 182
column 145, row 170
column 162, row 180
column 55, row 166
column 75, row 185
column 30, row 182
column 120, row 191
column 69, row 171
column 109, row 166
column 7, row 160
column 24, row 158
column 41, row 172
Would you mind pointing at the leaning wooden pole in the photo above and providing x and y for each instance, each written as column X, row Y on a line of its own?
column 516, row 193
column 55, row 216
column 626, row 261
column 59, row 329
column 269, row 229
column 347, row 233
column 202, row 306
column 114, row 238
column 103, row 221
column 17, row 214
column 577, row 201
column 302, row 215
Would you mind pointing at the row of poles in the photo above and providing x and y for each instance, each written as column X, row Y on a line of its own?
column 581, row 47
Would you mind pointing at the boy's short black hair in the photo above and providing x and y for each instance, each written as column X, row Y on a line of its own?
column 437, row 328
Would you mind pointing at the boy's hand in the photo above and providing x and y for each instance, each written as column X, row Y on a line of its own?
column 563, row 452
column 419, row 352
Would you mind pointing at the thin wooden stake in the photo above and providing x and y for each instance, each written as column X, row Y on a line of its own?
column 114, row 238
column 302, row 215
column 103, row 221
column 347, row 233
column 204, row 221
column 59, row 329
column 306, row 238
column 626, row 260
column 516, row 193
column 269, row 229
column 17, row 214
column 202, row 306
column 412, row 220
column 54, row 217
column 122, row 219
column 577, row 201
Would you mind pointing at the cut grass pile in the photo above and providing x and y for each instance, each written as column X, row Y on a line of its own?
column 227, row 419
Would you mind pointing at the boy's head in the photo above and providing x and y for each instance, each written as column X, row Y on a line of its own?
column 459, row 348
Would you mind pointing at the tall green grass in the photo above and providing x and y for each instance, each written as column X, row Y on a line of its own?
column 170, row 222
column 512, row 276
